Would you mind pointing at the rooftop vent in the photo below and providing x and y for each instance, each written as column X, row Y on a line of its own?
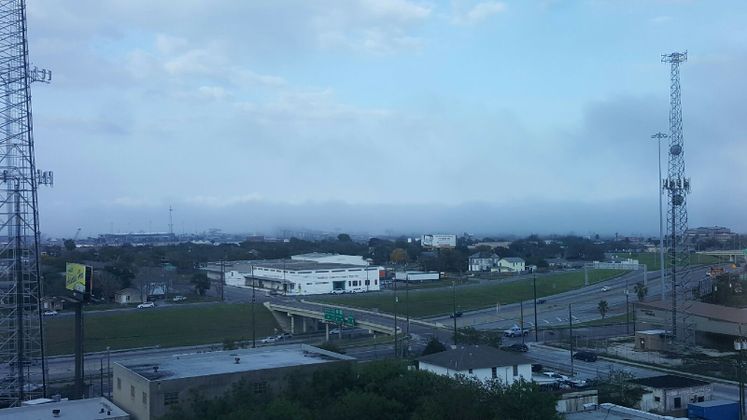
column 56, row 412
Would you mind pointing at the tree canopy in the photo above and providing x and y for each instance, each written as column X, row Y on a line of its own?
column 377, row 390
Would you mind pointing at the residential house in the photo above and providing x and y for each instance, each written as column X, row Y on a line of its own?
column 484, row 363
column 512, row 264
column 483, row 261
column 128, row 295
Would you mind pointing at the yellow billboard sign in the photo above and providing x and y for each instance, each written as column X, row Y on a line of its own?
column 75, row 277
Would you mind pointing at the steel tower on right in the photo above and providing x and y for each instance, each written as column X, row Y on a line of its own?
column 677, row 186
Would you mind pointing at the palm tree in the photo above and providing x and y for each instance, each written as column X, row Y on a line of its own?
column 603, row 308
column 640, row 290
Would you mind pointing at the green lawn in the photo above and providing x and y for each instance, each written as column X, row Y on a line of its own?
column 651, row 259
column 168, row 327
column 434, row 302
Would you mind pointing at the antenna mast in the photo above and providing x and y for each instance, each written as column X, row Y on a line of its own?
column 21, row 338
column 676, row 184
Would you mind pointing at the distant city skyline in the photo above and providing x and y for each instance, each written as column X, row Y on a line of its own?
column 375, row 115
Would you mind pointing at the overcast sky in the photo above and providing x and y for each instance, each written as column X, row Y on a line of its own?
column 375, row 115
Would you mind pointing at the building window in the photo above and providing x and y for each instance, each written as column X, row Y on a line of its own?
column 701, row 399
column 145, row 398
column 677, row 402
column 657, row 399
column 494, row 372
column 119, row 383
column 170, row 398
column 470, row 371
column 132, row 391
column 368, row 282
column 516, row 370
column 260, row 387
column 376, row 282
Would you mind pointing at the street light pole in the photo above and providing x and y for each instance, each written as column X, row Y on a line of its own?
column 407, row 312
column 570, row 334
column 396, row 354
column 453, row 311
column 536, row 325
column 521, row 309
column 254, row 323
column 658, row 136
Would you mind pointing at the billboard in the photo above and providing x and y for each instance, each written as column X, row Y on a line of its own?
column 438, row 241
column 78, row 278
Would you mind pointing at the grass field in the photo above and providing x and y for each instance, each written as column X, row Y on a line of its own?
column 167, row 327
column 435, row 302
column 651, row 259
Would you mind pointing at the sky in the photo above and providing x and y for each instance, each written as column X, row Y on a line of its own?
column 487, row 117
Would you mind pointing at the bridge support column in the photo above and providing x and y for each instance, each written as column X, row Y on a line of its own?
column 645, row 275
column 303, row 324
column 292, row 323
column 326, row 332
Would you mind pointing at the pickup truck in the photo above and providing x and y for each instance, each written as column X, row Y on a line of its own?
column 515, row 332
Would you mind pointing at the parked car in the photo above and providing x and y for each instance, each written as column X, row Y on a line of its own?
column 50, row 313
column 517, row 347
column 605, row 289
column 541, row 301
column 179, row 298
column 269, row 339
column 284, row 336
column 586, row 356
column 146, row 305
column 576, row 383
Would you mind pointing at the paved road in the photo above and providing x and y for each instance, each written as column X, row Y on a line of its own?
column 554, row 311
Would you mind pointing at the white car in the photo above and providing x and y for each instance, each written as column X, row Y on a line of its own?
column 146, row 305
column 605, row 289
column 270, row 339
column 179, row 298
column 50, row 313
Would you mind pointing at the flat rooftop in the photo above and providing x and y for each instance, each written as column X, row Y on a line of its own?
column 285, row 265
column 90, row 408
column 614, row 412
column 222, row 362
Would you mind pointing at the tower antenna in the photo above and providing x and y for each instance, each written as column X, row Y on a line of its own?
column 676, row 185
column 21, row 337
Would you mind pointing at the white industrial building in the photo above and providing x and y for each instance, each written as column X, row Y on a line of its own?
column 417, row 276
column 300, row 276
column 483, row 363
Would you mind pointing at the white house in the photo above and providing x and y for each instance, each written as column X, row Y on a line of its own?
column 671, row 393
column 483, row 261
column 512, row 264
column 484, row 363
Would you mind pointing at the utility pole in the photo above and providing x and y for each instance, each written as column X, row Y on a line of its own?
column 570, row 334
column 254, row 322
column 222, row 279
column 521, row 312
column 453, row 311
column 536, row 324
column 659, row 136
column 407, row 312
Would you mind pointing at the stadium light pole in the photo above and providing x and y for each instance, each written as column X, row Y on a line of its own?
column 658, row 136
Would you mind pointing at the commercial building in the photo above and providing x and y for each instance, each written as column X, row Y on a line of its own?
column 154, row 238
column 480, row 362
column 706, row 323
column 715, row 233
column 670, row 394
column 295, row 277
column 46, row 408
column 417, row 276
column 321, row 257
column 150, row 388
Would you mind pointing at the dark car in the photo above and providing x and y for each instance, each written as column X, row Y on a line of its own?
column 541, row 301
column 456, row 315
column 586, row 356
column 536, row 367
column 518, row 347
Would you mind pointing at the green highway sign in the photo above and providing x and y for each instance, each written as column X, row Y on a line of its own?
column 337, row 316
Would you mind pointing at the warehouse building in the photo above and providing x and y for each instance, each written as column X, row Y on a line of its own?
column 483, row 363
column 298, row 277
column 47, row 408
column 149, row 388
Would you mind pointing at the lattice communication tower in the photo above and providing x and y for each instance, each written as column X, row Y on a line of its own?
column 22, row 361
column 677, row 186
